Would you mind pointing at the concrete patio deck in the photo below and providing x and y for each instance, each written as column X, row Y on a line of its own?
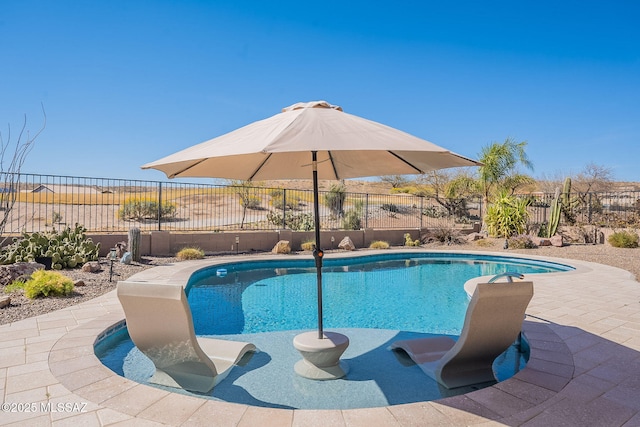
column 583, row 327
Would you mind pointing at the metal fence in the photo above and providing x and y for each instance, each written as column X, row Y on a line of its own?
column 42, row 202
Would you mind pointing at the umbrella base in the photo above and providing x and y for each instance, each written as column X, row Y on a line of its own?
column 321, row 357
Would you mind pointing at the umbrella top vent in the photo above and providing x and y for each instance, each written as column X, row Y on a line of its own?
column 312, row 104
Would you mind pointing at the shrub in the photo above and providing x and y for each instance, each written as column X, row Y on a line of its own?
column 507, row 216
column 334, row 199
column 140, row 209
column 278, row 199
column 389, row 207
column 623, row 239
column 16, row 285
column 190, row 253
column 308, row 245
column 521, row 242
column 445, row 235
column 47, row 283
column 379, row 244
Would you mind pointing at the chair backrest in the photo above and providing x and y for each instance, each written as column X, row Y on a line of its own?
column 492, row 323
column 160, row 324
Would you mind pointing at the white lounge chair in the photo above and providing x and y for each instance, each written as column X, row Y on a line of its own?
column 160, row 324
column 492, row 323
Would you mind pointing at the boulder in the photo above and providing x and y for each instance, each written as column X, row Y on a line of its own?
column 347, row 244
column 282, row 247
column 91, row 267
column 544, row 242
column 472, row 237
column 79, row 283
column 5, row 301
column 126, row 258
column 557, row 241
column 11, row 272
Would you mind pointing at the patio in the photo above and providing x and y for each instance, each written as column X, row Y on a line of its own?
column 584, row 368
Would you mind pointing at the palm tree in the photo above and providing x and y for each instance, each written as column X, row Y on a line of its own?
column 500, row 171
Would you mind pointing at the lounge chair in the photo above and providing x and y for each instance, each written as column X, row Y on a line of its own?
column 493, row 322
column 160, row 324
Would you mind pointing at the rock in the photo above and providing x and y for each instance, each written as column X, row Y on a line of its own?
column 347, row 244
column 11, row 272
column 282, row 247
column 92, row 267
column 5, row 301
column 543, row 242
column 557, row 241
column 79, row 283
column 472, row 237
column 126, row 258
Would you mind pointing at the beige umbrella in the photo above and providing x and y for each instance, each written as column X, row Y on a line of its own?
column 313, row 139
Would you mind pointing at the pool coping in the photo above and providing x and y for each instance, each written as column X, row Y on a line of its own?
column 581, row 326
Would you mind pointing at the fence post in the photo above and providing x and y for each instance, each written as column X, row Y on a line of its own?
column 366, row 211
column 284, row 209
column 421, row 210
column 159, row 206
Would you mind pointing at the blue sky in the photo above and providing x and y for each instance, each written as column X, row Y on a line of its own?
column 127, row 82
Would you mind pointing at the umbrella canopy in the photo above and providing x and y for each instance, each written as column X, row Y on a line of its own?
column 313, row 139
column 278, row 147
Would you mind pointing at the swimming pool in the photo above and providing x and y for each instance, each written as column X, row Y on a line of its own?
column 374, row 300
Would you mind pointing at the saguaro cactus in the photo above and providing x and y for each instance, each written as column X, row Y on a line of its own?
column 554, row 218
column 134, row 243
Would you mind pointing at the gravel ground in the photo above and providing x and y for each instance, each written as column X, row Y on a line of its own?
column 96, row 284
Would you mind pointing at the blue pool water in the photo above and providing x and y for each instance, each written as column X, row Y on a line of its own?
column 374, row 300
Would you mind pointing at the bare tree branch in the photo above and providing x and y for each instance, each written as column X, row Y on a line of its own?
column 12, row 158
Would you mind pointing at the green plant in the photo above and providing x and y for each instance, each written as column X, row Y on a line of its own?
column 56, row 218
column 507, row 216
column 16, row 285
column 133, row 236
column 47, row 283
column 554, row 216
column 334, row 199
column 352, row 219
column 281, row 199
column 379, row 244
column 521, row 241
column 568, row 203
column 69, row 248
column 138, row 209
column 297, row 222
column 408, row 241
column 190, row 253
column 389, row 207
column 623, row 239
column 308, row 245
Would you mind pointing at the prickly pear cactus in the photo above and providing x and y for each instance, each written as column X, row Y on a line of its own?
column 69, row 248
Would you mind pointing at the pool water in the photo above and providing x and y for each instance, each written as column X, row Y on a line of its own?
column 374, row 300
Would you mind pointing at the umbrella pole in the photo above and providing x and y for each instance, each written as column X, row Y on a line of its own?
column 317, row 251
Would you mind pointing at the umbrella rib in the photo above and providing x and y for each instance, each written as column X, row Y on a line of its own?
column 418, row 170
column 255, row 172
column 333, row 165
column 175, row 174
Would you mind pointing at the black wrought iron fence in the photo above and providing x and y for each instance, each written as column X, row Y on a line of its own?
column 43, row 202
column 602, row 209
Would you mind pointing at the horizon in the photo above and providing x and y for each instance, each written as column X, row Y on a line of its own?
column 124, row 84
